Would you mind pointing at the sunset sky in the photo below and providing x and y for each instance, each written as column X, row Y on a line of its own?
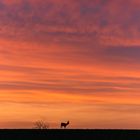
column 76, row 60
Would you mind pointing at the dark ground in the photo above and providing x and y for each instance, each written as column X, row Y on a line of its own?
column 72, row 134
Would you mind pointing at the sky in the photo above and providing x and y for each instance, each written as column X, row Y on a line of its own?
column 76, row 60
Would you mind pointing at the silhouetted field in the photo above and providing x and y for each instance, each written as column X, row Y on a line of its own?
column 73, row 134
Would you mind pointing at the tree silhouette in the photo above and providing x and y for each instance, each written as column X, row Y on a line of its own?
column 40, row 124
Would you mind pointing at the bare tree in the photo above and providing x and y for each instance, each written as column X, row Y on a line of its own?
column 40, row 124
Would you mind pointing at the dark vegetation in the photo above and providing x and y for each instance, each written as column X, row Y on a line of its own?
column 65, row 134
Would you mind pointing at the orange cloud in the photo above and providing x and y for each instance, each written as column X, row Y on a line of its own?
column 59, row 58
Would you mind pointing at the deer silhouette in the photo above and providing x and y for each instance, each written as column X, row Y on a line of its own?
column 64, row 124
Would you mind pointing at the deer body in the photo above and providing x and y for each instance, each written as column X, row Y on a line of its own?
column 64, row 124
